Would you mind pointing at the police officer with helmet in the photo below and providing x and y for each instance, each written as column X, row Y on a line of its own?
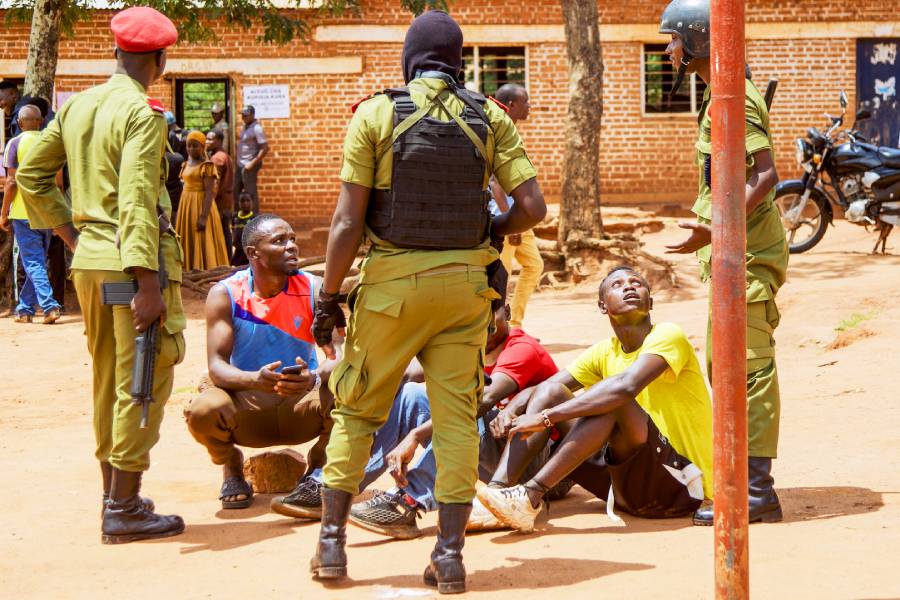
column 688, row 23
column 417, row 161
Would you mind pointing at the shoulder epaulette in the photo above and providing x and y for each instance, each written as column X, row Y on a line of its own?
column 356, row 104
column 498, row 103
column 156, row 105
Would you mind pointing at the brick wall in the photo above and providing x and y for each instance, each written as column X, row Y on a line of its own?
column 643, row 159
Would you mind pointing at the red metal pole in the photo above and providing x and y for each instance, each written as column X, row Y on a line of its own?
column 729, row 304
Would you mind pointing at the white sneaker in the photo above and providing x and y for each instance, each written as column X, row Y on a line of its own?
column 482, row 519
column 511, row 505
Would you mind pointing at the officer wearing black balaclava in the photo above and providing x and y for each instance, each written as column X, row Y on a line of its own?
column 414, row 181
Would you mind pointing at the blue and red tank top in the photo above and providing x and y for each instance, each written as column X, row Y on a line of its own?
column 270, row 329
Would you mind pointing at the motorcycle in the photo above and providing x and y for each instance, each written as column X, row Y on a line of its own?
column 841, row 169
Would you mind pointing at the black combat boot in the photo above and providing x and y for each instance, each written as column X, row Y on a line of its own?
column 446, row 569
column 764, row 504
column 106, row 470
column 330, row 561
column 126, row 519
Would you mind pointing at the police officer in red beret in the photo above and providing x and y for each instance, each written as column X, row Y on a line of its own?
column 114, row 139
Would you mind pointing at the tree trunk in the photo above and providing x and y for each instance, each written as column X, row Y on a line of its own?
column 43, row 48
column 579, row 212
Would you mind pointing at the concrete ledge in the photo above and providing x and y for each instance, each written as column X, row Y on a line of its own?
column 639, row 32
column 207, row 66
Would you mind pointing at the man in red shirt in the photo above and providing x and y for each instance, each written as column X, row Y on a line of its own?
column 514, row 361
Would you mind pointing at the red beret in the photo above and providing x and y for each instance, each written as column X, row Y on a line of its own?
column 143, row 29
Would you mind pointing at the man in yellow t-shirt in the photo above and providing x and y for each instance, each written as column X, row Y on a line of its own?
column 643, row 425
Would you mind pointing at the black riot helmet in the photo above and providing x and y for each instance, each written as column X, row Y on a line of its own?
column 689, row 20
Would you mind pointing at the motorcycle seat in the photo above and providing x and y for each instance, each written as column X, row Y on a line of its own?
column 890, row 157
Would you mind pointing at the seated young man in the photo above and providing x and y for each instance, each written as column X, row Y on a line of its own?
column 514, row 361
column 644, row 421
column 262, row 360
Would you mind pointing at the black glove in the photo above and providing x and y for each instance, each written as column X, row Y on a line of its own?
column 497, row 276
column 328, row 315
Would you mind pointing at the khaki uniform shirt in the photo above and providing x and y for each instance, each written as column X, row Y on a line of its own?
column 767, row 252
column 114, row 143
column 368, row 160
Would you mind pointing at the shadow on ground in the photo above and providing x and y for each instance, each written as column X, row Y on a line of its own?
column 815, row 503
column 525, row 574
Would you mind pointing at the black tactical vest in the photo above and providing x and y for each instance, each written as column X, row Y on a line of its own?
column 437, row 199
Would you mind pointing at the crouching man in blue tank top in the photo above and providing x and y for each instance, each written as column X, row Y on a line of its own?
column 263, row 369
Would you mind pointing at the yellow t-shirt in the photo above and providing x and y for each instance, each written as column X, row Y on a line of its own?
column 677, row 401
column 20, row 147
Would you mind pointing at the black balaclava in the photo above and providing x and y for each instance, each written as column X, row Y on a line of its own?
column 433, row 43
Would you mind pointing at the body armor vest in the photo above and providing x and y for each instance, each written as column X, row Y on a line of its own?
column 437, row 199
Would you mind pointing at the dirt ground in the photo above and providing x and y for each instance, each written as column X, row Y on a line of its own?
column 838, row 472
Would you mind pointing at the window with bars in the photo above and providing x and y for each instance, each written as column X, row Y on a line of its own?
column 488, row 68
column 194, row 98
column 659, row 75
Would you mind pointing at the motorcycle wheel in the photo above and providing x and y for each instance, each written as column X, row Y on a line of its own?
column 808, row 231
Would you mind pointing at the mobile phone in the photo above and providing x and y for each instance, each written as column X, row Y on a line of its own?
column 293, row 369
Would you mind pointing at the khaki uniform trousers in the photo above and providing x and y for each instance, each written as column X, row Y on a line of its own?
column 110, row 337
column 528, row 256
column 763, row 395
column 440, row 316
column 220, row 419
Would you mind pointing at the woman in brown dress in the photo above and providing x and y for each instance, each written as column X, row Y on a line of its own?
column 198, row 223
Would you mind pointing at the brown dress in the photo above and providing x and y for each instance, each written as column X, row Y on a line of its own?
column 202, row 249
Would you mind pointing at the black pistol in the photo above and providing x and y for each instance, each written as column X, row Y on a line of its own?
column 145, row 344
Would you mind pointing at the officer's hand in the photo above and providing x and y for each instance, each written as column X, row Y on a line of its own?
column 399, row 457
column 514, row 239
column 502, row 423
column 147, row 305
column 4, row 222
column 295, row 383
column 201, row 223
column 266, row 378
column 328, row 315
column 701, row 235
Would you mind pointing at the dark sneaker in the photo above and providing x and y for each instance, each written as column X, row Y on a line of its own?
column 305, row 502
column 391, row 514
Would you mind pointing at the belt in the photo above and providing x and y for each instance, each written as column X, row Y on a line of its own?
column 451, row 268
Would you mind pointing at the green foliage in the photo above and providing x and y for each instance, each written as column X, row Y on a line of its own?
column 197, row 97
column 279, row 26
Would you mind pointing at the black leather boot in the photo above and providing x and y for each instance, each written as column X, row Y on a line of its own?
column 106, row 471
column 446, row 569
column 330, row 561
column 125, row 518
column 764, row 504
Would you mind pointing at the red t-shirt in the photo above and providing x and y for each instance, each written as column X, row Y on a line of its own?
column 523, row 360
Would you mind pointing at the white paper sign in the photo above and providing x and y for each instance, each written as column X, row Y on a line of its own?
column 270, row 101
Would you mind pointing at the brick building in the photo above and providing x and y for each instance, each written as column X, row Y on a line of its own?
column 810, row 46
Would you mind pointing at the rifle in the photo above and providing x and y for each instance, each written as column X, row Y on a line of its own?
column 145, row 344
column 770, row 93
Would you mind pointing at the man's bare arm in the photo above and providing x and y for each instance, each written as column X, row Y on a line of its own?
column 527, row 211
column 762, row 179
column 345, row 237
column 611, row 393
